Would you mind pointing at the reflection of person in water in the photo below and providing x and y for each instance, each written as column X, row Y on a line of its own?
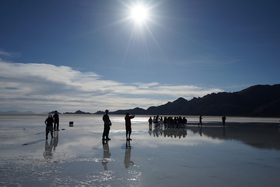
column 200, row 131
column 106, row 155
column 127, row 157
column 150, row 130
column 224, row 132
column 55, row 140
column 48, row 149
column 170, row 132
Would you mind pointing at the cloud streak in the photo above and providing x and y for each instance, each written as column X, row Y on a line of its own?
column 45, row 87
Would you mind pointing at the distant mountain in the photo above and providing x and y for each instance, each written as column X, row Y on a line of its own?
column 77, row 112
column 136, row 110
column 257, row 101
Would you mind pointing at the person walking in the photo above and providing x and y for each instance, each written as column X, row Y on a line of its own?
column 107, row 124
column 56, row 121
column 49, row 126
column 128, row 126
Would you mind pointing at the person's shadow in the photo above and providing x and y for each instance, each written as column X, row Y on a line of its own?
column 48, row 149
column 127, row 156
column 106, row 155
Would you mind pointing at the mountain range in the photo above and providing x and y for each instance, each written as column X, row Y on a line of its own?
column 255, row 101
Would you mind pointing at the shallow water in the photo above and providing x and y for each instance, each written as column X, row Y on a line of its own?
column 237, row 155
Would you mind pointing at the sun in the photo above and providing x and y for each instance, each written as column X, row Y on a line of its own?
column 139, row 14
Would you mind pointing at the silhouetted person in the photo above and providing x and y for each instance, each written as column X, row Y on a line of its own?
column 106, row 155
column 49, row 126
column 224, row 120
column 56, row 121
column 150, row 121
column 200, row 121
column 107, row 124
column 128, row 125
column 184, row 120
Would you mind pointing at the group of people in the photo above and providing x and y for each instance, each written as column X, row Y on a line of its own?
column 176, row 121
column 107, row 125
column 52, row 124
column 170, row 121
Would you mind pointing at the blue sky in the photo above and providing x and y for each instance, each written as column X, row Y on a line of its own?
column 90, row 55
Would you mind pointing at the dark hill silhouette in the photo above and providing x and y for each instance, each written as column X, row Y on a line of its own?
column 77, row 112
column 136, row 110
column 259, row 100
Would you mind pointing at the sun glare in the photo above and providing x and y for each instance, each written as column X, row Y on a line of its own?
column 139, row 14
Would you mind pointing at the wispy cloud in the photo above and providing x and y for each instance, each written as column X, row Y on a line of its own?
column 5, row 54
column 45, row 87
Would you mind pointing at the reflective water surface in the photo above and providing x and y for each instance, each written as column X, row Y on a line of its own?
column 246, row 152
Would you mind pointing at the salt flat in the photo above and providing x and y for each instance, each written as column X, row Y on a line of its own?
column 241, row 154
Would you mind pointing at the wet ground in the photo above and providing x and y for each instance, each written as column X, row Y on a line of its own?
column 246, row 154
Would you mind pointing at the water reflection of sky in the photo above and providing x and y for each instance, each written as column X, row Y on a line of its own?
column 211, row 156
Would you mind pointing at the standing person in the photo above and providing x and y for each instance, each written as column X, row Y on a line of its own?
column 56, row 121
column 128, row 125
column 224, row 120
column 150, row 121
column 200, row 121
column 107, row 124
column 49, row 126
